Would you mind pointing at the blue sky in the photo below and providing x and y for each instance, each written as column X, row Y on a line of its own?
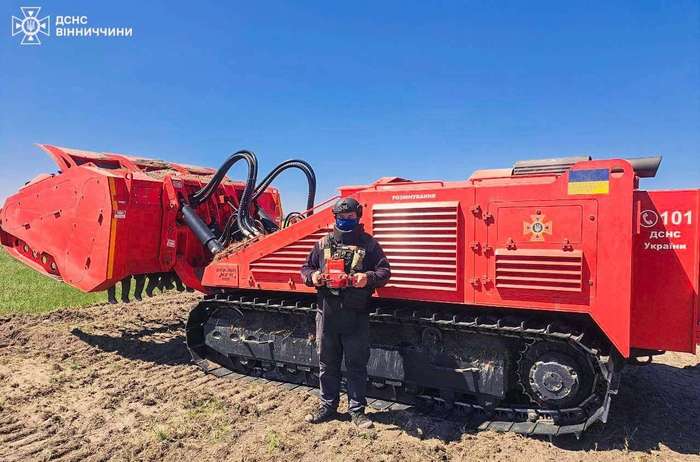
column 423, row 90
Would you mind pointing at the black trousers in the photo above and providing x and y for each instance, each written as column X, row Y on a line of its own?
column 342, row 333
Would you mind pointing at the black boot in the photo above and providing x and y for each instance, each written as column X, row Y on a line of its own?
column 322, row 414
column 361, row 420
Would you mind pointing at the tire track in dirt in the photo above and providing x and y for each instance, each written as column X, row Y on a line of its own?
column 28, row 337
column 115, row 383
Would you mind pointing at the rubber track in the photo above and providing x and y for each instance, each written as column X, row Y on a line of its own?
column 504, row 418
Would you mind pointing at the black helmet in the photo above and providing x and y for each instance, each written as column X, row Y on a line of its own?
column 346, row 205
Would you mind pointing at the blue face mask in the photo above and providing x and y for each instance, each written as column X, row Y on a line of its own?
column 346, row 224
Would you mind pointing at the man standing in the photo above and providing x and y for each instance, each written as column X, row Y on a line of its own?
column 342, row 322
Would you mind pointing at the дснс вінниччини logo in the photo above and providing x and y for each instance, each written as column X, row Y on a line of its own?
column 31, row 25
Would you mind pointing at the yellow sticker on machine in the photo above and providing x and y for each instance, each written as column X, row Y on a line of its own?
column 112, row 229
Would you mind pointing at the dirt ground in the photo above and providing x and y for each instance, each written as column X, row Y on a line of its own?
column 115, row 383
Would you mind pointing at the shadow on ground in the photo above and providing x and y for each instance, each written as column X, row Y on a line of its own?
column 138, row 345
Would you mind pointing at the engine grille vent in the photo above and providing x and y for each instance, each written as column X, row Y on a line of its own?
column 287, row 260
column 546, row 166
column 420, row 242
column 539, row 269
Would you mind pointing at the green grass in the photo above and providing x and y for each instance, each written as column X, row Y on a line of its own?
column 273, row 441
column 23, row 290
column 197, row 417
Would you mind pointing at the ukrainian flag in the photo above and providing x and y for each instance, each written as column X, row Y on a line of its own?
column 592, row 181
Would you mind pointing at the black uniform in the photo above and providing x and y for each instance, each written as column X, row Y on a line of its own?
column 342, row 322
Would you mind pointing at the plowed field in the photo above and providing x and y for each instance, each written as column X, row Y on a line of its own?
column 115, row 383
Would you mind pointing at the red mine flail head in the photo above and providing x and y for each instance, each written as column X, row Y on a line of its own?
column 104, row 217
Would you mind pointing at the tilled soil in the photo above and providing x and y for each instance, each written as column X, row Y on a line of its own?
column 115, row 383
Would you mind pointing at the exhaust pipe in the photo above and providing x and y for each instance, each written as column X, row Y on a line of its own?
column 645, row 167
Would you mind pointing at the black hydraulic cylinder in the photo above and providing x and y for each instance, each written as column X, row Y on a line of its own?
column 200, row 229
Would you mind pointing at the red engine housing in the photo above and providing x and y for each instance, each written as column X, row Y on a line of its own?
column 535, row 242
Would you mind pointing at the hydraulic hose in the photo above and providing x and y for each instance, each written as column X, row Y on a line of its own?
column 244, row 220
column 292, row 218
column 251, row 192
column 287, row 164
column 227, row 232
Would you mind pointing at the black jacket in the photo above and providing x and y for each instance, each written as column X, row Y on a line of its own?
column 375, row 265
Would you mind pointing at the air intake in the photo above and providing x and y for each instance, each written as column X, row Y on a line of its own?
column 285, row 263
column 420, row 242
column 546, row 166
column 539, row 270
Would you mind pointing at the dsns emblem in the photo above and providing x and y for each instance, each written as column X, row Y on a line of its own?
column 537, row 228
column 30, row 25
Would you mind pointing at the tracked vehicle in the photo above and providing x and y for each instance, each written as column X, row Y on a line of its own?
column 516, row 296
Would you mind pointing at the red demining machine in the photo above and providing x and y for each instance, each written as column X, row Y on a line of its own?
column 516, row 295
